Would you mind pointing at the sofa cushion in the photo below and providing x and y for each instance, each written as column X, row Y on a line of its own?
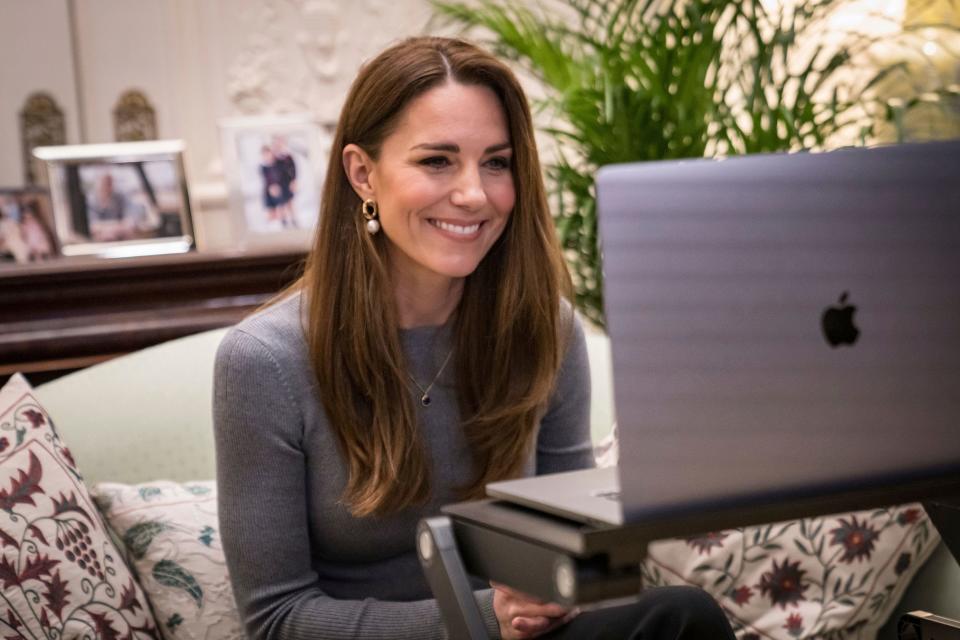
column 60, row 574
column 170, row 532
column 166, row 390
column 832, row 577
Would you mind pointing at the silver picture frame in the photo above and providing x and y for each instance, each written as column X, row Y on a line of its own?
column 121, row 199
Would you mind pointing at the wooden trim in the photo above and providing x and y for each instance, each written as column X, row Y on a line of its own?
column 70, row 313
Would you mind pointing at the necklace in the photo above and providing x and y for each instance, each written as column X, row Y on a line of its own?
column 425, row 398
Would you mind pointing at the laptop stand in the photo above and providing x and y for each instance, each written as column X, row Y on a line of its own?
column 571, row 563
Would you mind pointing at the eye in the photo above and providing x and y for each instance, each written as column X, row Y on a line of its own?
column 499, row 163
column 435, row 162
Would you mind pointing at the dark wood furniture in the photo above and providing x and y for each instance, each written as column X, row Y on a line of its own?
column 71, row 313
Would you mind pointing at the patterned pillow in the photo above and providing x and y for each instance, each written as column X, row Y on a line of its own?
column 170, row 533
column 833, row 577
column 60, row 574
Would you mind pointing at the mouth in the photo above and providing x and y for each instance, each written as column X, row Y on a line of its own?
column 457, row 230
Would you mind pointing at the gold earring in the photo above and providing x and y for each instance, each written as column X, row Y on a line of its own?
column 370, row 213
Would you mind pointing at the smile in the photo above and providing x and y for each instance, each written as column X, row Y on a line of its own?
column 462, row 230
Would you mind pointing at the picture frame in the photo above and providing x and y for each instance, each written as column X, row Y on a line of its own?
column 274, row 168
column 120, row 200
column 27, row 231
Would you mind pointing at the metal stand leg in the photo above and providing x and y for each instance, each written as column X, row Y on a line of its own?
column 437, row 548
column 921, row 625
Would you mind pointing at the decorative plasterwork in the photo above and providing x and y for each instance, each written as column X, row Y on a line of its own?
column 41, row 124
column 301, row 55
column 289, row 52
column 134, row 118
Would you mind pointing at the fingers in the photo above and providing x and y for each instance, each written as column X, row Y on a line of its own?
column 526, row 609
column 519, row 604
column 527, row 616
column 531, row 626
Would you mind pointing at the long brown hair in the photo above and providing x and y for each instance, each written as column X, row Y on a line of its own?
column 508, row 337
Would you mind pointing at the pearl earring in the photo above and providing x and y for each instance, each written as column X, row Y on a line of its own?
column 370, row 213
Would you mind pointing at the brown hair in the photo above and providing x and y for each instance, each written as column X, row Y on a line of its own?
column 508, row 337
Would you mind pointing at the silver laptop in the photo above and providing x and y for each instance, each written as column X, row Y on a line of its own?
column 782, row 325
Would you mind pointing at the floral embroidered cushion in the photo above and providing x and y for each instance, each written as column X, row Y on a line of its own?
column 60, row 574
column 170, row 532
column 832, row 577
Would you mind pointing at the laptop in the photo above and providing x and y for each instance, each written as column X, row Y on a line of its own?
column 782, row 326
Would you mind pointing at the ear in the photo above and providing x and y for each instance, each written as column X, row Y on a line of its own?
column 359, row 167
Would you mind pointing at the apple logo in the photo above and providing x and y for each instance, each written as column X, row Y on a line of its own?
column 837, row 323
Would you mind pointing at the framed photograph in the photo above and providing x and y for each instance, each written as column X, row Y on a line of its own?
column 119, row 200
column 274, row 168
column 26, row 226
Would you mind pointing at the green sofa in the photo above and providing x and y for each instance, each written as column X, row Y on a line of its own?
column 147, row 416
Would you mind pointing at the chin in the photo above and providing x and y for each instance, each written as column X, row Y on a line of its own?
column 456, row 268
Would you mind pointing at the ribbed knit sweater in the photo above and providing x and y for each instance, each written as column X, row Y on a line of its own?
column 301, row 565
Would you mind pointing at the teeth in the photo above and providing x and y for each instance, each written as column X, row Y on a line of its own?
column 455, row 228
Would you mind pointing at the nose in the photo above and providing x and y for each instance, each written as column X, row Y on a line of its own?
column 468, row 192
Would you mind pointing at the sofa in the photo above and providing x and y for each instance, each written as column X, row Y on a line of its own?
column 135, row 434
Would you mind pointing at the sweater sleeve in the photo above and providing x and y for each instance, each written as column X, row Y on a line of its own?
column 261, row 477
column 563, row 442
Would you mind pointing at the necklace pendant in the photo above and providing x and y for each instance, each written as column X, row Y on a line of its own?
column 425, row 400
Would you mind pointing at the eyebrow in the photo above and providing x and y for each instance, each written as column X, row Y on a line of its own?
column 452, row 148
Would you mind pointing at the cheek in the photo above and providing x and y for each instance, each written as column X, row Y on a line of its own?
column 503, row 196
column 410, row 191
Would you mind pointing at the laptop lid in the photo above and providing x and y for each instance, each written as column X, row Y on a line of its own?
column 588, row 495
column 783, row 325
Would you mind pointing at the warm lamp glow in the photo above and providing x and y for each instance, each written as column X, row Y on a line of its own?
column 869, row 17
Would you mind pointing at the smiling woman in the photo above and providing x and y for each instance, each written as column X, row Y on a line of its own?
column 427, row 351
column 444, row 190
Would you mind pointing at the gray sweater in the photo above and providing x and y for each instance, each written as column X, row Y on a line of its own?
column 301, row 565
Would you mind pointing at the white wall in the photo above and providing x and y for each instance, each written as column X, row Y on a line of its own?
column 197, row 62
column 35, row 55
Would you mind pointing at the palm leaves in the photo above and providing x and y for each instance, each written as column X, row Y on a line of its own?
column 633, row 80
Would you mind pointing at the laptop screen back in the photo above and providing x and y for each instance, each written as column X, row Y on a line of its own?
column 783, row 325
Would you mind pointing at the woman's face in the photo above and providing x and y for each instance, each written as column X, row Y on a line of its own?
column 443, row 182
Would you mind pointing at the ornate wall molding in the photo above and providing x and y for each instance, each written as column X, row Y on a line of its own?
column 302, row 55
column 41, row 124
column 134, row 118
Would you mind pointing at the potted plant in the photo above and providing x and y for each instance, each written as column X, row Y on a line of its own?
column 635, row 80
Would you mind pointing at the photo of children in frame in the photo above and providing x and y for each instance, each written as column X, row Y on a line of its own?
column 274, row 167
column 279, row 172
column 26, row 226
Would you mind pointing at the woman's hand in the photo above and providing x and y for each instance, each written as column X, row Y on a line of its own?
column 522, row 617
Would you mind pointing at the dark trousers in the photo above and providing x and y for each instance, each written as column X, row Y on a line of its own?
column 661, row 613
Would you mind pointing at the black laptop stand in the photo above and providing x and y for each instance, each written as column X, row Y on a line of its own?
column 570, row 563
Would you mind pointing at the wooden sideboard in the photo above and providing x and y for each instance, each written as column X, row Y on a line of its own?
column 71, row 313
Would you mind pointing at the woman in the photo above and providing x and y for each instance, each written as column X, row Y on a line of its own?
column 424, row 353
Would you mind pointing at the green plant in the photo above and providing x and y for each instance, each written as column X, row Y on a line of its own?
column 634, row 80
